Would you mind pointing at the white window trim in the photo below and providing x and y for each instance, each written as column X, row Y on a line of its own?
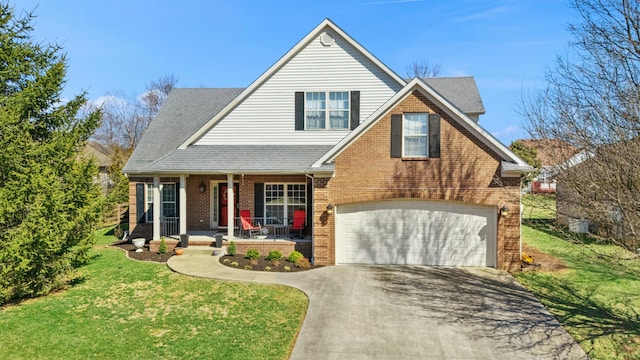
column 286, row 196
column 327, row 110
column 426, row 135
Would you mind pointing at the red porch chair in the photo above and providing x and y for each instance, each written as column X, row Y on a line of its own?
column 299, row 216
column 245, row 219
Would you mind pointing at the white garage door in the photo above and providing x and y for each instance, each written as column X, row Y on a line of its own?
column 416, row 232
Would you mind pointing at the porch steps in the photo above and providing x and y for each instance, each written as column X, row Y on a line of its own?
column 207, row 250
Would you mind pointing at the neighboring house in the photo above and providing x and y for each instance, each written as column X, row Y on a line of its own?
column 551, row 153
column 102, row 156
column 388, row 171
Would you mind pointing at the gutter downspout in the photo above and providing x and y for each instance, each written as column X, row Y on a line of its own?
column 313, row 227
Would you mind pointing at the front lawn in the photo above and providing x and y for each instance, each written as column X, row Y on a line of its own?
column 124, row 309
column 597, row 298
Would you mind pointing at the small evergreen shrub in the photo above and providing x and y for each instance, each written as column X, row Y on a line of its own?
column 232, row 248
column 274, row 255
column 295, row 256
column 252, row 254
column 162, row 249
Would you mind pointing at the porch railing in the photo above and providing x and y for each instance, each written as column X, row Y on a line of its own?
column 169, row 225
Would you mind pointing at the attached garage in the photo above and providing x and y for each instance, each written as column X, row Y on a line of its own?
column 416, row 232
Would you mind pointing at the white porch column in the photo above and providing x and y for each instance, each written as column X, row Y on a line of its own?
column 156, row 207
column 230, row 207
column 183, row 204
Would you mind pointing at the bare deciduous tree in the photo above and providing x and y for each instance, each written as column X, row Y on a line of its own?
column 422, row 69
column 592, row 102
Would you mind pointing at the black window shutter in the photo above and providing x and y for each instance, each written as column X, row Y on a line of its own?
column 258, row 200
column 434, row 135
column 396, row 135
column 355, row 110
column 140, row 202
column 299, row 111
column 177, row 214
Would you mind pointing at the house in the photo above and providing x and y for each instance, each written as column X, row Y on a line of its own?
column 551, row 153
column 387, row 170
column 102, row 157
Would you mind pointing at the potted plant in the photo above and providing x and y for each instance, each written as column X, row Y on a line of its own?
column 138, row 243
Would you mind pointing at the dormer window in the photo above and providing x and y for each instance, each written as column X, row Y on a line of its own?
column 327, row 110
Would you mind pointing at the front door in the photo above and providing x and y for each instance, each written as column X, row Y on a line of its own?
column 223, row 203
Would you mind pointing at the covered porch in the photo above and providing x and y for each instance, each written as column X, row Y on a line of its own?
column 252, row 210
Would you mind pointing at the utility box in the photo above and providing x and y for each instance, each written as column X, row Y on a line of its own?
column 218, row 240
column 580, row 226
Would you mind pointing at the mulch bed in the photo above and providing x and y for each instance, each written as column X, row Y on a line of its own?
column 145, row 255
column 545, row 262
column 262, row 263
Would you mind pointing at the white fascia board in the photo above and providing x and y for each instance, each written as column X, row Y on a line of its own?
column 509, row 169
column 417, row 84
column 326, row 23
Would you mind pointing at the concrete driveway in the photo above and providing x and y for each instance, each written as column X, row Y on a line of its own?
column 410, row 312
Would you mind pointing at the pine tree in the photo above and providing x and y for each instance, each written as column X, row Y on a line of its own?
column 49, row 201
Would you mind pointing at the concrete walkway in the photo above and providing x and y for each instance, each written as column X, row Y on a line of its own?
column 409, row 312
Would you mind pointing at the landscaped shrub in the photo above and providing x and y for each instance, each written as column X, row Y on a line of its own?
column 235, row 264
column 303, row 263
column 162, row 249
column 295, row 256
column 275, row 263
column 286, row 268
column 248, row 267
column 252, row 254
column 274, row 255
column 267, row 268
column 232, row 248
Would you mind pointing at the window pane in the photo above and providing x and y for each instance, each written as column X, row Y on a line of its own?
column 316, row 119
column 315, row 106
column 149, row 202
column 415, row 146
column 415, row 124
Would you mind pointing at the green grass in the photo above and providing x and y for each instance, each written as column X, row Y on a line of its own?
column 539, row 206
column 597, row 300
column 123, row 309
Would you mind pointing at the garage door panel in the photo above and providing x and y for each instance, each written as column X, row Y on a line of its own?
column 416, row 232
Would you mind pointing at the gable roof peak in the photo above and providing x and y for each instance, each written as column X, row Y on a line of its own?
column 317, row 31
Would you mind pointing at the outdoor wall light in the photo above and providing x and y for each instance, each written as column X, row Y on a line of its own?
column 329, row 209
column 504, row 211
column 203, row 187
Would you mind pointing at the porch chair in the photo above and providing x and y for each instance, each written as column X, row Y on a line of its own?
column 299, row 216
column 247, row 227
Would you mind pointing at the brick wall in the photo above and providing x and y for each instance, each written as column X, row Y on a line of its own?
column 467, row 171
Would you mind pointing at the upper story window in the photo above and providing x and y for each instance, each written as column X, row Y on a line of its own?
column 321, row 114
column 327, row 110
column 415, row 135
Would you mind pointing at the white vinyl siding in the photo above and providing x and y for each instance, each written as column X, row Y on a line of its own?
column 267, row 116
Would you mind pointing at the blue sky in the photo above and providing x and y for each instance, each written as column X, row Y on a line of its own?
column 119, row 46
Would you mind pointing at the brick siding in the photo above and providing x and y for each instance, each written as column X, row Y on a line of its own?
column 467, row 171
